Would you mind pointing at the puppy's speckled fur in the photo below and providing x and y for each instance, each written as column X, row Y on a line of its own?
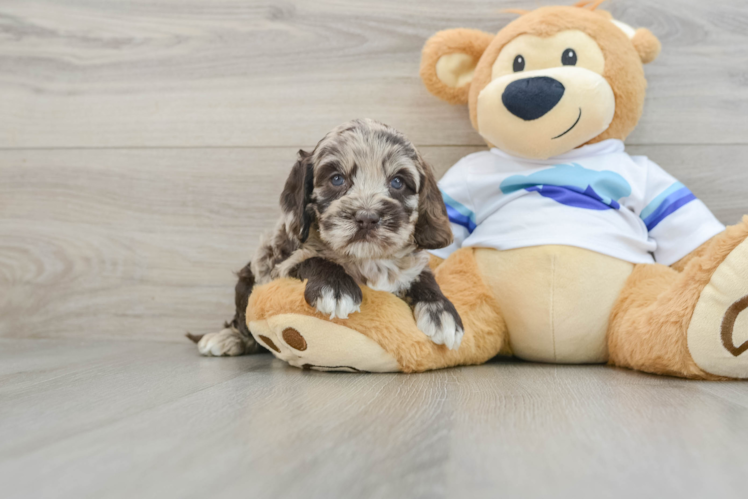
column 361, row 209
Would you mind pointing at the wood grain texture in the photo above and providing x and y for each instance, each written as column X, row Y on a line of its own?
column 143, row 243
column 143, row 419
column 134, row 243
column 143, row 147
column 186, row 73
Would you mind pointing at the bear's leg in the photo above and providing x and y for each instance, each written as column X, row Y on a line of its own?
column 383, row 336
column 688, row 323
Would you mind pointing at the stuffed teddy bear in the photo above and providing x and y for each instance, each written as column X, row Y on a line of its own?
column 567, row 250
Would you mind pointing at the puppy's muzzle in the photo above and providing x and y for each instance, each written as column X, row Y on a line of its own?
column 367, row 220
column 368, row 223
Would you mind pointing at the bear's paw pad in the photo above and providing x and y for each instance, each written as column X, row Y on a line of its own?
column 312, row 343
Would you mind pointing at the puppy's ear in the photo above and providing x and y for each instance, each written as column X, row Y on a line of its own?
column 296, row 196
column 432, row 228
column 448, row 61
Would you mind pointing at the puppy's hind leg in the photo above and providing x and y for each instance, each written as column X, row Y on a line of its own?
column 234, row 339
column 226, row 342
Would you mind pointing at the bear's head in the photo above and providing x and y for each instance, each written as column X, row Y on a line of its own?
column 552, row 80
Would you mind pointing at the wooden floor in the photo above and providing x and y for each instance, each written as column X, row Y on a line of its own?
column 143, row 145
column 144, row 419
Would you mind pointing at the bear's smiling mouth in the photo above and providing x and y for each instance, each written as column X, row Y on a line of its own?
column 572, row 127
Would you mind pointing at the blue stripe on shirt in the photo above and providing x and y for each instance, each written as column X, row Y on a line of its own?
column 459, row 214
column 667, row 202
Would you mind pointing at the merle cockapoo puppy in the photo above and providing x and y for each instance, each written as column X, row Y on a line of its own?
column 361, row 209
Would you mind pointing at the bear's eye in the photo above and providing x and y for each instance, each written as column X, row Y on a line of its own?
column 519, row 64
column 337, row 180
column 569, row 58
column 396, row 183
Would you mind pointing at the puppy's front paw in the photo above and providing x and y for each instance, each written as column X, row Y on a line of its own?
column 227, row 342
column 338, row 296
column 337, row 306
column 440, row 321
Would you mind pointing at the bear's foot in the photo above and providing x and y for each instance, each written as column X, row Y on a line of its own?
column 718, row 332
column 312, row 343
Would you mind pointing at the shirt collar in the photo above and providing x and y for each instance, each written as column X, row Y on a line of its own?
column 609, row 146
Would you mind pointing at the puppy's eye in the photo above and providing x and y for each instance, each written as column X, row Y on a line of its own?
column 396, row 183
column 569, row 58
column 337, row 180
column 519, row 64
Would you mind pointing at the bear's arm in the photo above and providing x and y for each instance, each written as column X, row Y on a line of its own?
column 701, row 250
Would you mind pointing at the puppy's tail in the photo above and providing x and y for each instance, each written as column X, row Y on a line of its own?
column 196, row 338
column 193, row 337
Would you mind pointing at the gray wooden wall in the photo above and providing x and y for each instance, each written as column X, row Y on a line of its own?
column 143, row 143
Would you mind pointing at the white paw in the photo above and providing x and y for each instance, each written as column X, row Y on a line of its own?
column 227, row 342
column 438, row 323
column 337, row 308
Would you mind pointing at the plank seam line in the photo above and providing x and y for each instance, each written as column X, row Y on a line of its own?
column 137, row 148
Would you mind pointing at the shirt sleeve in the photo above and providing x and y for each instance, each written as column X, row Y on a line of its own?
column 460, row 210
column 676, row 220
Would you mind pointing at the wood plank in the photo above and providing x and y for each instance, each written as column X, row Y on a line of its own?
column 188, row 73
column 137, row 419
column 136, row 243
column 143, row 243
column 81, row 385
column 734, row 392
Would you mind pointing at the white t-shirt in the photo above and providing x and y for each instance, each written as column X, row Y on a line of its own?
column 595, row 197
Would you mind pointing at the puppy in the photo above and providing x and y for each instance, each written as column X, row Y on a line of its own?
column 362, row 208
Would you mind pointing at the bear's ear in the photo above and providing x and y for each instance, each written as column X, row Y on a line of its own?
column 647, row 45
column 448, row 61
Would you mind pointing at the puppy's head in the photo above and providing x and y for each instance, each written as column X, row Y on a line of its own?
column 369, row 191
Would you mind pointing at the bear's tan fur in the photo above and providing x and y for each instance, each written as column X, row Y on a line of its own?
column 649, row 326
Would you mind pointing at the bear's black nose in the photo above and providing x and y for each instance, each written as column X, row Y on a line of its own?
column 531, row 98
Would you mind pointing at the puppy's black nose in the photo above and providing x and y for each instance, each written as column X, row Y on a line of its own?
column 531, row 98
column 367, row 220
